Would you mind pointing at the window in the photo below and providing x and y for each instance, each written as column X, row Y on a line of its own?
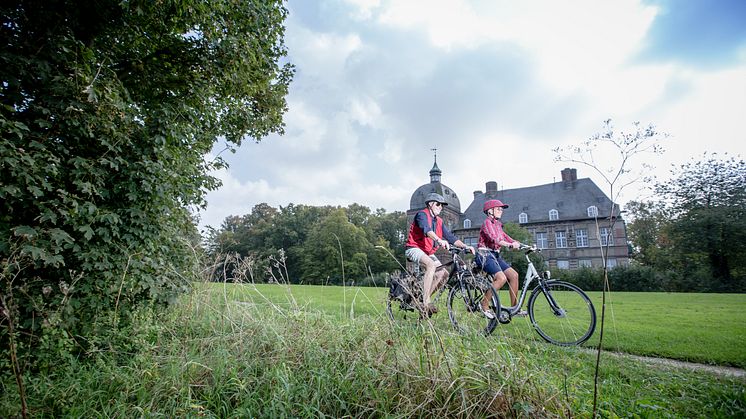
column 541, row 240
column 581, row 237
column 593, row 211
column 610, row 263
column 584, row 263
column 523, row 218
column 560, row 238
column 553, row 214
column 467, row 223
column 470, row 241
column 563, row 264
column 605, row 238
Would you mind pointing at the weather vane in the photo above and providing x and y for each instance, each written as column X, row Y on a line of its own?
column 435, row 154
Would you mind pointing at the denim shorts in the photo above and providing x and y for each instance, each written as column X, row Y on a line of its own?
column 491, row 262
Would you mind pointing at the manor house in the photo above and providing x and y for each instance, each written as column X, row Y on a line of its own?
column 568, row 220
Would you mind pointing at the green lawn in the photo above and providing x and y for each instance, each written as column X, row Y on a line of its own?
column 706, row 328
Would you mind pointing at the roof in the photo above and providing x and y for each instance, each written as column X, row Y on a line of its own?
column 570, row 199
column 418, row 197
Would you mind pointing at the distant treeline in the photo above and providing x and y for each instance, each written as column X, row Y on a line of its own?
column 308, row 244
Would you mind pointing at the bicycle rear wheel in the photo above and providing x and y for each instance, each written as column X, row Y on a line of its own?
column 464, row 305
column 564, row 315
column 401, row 312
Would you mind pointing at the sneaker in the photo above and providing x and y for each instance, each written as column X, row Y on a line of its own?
column 488, row 313
column 522, row 313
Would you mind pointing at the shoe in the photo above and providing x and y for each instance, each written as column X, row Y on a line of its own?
column 488, row 313
column 428, row 311
column 522, row 313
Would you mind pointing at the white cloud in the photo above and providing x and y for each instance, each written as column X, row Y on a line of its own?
column 494, row 85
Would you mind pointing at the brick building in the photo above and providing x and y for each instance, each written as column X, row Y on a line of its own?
column 568, row 220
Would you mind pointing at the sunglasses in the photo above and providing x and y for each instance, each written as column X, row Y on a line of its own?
column 438, row 204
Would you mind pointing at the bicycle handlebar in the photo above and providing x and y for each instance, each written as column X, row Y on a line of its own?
column 457, row 250
column 528, row 249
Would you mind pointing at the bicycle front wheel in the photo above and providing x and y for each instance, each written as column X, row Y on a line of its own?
column 562, row 313
column 464, row 305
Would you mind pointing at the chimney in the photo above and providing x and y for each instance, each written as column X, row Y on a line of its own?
column 569, row 176
column 491, row 188
column 477, row 193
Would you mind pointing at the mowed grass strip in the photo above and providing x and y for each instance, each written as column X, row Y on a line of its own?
column 703, row 328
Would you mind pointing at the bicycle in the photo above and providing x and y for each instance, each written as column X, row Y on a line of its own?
column 568, row 318
column 466, row 292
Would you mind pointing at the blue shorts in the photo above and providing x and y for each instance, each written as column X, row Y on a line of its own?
column 491, row 262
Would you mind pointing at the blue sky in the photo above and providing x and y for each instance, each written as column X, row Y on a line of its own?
column 495, row 86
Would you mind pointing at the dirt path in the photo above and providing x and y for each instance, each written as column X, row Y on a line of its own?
column 715, row 369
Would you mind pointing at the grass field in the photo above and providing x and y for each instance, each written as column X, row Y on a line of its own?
column 234, row 351
column 704, row 328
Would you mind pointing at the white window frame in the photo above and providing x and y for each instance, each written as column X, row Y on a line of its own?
column 611, row 263
column 593, row 211
column 585, row 263
column 581, row 237
column 541, row 240
column 553, row 215
column 605, row 236
column 560, row 239
column 522, row 218
column 563, row 264
column 467, row 223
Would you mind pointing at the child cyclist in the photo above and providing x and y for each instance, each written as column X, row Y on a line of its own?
column 491, row 239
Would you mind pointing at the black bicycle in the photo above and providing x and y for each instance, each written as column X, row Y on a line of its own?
column 465, row 296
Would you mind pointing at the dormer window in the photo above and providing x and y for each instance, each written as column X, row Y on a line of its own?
column 523, row 218
column 553, row 215
column 593, row 211
column 467, row 223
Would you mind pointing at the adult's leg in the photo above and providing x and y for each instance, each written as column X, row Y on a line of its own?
column 440, row 277
column 427, row 282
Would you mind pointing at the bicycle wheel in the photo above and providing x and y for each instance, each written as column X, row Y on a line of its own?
column 401, row 312
column 570, row 321
column 464, row 305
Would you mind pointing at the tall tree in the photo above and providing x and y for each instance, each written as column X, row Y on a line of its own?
column 107, row 109
column 707, row 199
column 646, row 228
column 335, row 250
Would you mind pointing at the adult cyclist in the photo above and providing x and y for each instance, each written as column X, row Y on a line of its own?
column 426, row 234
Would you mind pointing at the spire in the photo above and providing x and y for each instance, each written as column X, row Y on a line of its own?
column 435, row 171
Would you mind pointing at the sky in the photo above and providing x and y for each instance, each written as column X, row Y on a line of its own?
column 495, row 86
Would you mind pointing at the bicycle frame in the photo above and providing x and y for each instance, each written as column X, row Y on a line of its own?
column 531, row 275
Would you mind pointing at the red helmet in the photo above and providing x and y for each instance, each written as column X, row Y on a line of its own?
column 493, row 203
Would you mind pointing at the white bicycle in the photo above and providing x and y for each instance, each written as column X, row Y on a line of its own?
column 560, row 312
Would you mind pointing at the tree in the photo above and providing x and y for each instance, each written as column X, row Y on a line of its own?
column 707, row 201
column 106, row 112
column 646, row 231
column 335, row 250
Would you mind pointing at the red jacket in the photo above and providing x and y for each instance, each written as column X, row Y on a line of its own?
column 418, row 238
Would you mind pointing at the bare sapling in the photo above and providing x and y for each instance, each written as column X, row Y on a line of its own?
column 616, row 157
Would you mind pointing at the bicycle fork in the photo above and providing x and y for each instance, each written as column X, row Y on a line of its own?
column 556, row 309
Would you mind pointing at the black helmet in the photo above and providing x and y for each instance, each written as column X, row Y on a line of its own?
column 435, row 197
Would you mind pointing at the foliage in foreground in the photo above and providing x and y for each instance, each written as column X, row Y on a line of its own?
column 106, row 113
column 259, row 359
